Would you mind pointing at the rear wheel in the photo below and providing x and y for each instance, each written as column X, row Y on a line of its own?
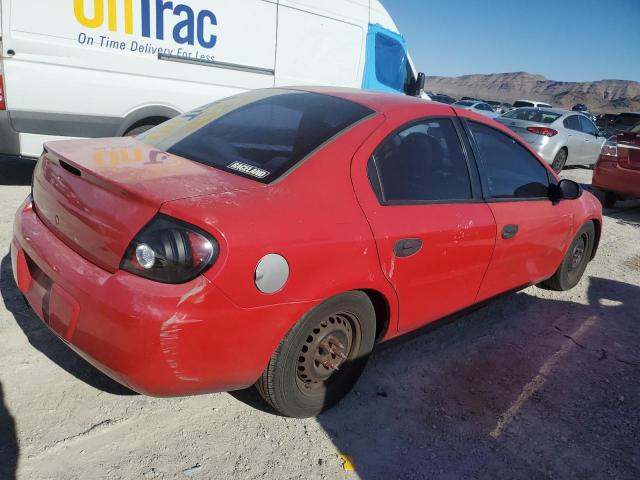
column 321, row 358
column 575, row 261
column 560, row 160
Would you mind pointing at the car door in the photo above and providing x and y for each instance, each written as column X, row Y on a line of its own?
column 532, row 231
column 575, row 139
column 592, row 141
column 434, row 234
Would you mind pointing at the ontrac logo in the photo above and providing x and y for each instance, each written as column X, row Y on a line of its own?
column 187, row 27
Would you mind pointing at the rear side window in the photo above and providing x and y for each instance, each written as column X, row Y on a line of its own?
column 509, row 169
column 572, row 123
column 258, row 135
column 391, row 62
column 422, row 163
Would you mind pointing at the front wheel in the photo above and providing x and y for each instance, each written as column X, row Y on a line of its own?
column 575, row 261
column 321, row 358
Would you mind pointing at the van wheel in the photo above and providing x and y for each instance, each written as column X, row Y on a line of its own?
column 575, row 260
column 321, row 358
column 560, row 160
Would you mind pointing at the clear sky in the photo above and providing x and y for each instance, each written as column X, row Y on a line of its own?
column 565, row 40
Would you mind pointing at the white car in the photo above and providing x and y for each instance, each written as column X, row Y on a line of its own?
column 530, row 104
column 478, row 107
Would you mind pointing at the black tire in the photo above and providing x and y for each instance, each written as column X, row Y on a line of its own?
column 575, row 260
column 609, row 200
column 560, row 160
column 295, row 383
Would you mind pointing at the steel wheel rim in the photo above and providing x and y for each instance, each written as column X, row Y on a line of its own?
column 578, row 251
column 332, row 343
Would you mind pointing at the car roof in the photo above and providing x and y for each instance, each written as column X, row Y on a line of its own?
column 377, row 101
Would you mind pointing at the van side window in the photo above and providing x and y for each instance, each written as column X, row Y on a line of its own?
column 391, row 62
column 422, row 163
column 508, row 169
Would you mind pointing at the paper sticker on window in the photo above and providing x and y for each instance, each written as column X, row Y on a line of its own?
column 248, row 169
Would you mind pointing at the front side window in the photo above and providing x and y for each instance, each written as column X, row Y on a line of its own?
column 391, row 62
column 258, row 135
column 509, row 169
column 422, row 163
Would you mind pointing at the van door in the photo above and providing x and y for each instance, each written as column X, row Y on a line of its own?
column 321, row 43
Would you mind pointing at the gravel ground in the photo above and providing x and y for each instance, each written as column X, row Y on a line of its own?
column 537, row 384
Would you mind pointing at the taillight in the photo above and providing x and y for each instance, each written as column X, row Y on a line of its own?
column 3, row 100
column 546, row 131
column 170, row 251
column 610, row 147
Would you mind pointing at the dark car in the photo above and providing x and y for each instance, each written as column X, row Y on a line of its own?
column 623, row 123
column 442, row 98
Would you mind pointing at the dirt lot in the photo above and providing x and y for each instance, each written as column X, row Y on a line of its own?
column 537, row 384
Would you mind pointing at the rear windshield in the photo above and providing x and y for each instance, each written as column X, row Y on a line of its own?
column 533, row 115
column 626, row 120
column 465, row 103
column 523, row 104
column 258, row 135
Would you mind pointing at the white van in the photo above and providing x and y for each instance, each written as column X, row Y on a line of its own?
column 99, row 68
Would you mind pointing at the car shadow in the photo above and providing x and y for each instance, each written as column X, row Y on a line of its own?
column 9, row 449
column 428, row 408
column 16, row 171
column 41, row 338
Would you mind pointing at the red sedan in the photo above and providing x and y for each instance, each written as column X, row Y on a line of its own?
column 617, row 171
column 274, row 237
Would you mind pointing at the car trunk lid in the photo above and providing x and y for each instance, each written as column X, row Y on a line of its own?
column 96, row 195
column 629, row 150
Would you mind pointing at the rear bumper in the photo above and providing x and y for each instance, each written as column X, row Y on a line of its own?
column 545, row 147
column 160, row 340
column 609, row 176
column 9, row 138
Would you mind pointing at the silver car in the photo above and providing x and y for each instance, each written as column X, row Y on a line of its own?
column 478, row 107
column 561, row 137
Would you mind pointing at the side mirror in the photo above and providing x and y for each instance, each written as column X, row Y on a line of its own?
column 418, row 85
column 568, row 190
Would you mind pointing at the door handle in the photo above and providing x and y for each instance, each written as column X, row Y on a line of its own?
column 407, row 247
column 509, row 231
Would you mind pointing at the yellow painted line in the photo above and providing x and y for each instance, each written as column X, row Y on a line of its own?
column 540, row 379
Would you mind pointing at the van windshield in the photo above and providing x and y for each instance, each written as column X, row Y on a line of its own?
column 258, row 135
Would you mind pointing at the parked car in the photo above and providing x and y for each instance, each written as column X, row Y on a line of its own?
column 622, row 123
column 582, row 108
column 500, row 107
column 561, row 137
column 205, row 255
column 442, row 98
column 98, row 68
column 479, row 107
column 530, row 104
column 617, row 172
column 471, row 99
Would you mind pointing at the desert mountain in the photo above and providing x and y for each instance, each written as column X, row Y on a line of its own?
column 603, row 96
